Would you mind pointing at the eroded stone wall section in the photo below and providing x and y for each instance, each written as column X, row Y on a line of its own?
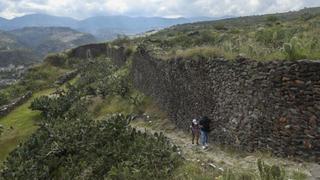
column 117, row 54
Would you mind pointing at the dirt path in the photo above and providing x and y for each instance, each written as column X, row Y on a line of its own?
column 219, row 157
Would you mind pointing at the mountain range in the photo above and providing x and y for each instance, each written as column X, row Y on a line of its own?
column 27, row 39
column 102, row 27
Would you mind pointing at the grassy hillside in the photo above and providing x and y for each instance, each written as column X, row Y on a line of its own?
column 293, row 35
column 19, row 125
column 22, row 122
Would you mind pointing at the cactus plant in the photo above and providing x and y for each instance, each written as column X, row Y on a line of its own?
column 1, row 129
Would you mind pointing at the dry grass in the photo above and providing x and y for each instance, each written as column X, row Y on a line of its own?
column 202, row 52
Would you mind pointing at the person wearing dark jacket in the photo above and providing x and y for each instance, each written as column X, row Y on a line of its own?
column 204, row 130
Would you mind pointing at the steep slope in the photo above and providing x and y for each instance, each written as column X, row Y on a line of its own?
column 303, row 14
column 51, row 39
column 292, row 35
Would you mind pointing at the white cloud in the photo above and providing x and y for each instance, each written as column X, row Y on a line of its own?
column 117, row 6
column 166, row 8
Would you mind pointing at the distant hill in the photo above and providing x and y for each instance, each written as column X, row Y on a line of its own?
column 3, row 20
column 102, row 27
column 37, row 20
column 8, row 41
column 51, row 39
column 99, row 26
column 305, row 13
column 29, row 45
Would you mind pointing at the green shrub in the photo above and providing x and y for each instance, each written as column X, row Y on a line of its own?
column 230, row 175
column 265, row 36
column 293, row 49
column 70, row 144
column 3, row 99
column 299, row 176
column 54, row 107
column 129, row 51
column 267, row 172
column 220, row 27
column 272, row 18
column 1, row 129
column 76, row 146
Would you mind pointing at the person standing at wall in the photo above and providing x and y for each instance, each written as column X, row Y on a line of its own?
column 195, row 129
column 204, row 131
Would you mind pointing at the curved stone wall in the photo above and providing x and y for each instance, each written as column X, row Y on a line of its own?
column 252, row 105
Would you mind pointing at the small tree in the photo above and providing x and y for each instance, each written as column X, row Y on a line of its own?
column 272, row 18
column 58, row 59
column 3, row 99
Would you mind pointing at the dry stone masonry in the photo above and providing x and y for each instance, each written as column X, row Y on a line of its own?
column 253, row 105
column 117, row 54
column 66, row 77
column 6, row 109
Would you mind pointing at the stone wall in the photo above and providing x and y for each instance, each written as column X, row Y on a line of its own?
column 118, row 54
column 66, row 77
column 6, row 109
column 252, row 105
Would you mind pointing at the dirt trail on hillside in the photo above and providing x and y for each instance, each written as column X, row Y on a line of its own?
column 221, row 158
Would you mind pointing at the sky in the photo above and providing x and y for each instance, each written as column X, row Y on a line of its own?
column 81, row 9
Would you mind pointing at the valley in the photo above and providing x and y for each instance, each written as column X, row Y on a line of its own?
column 126, row 109
column 29, row 45
column 22, row 48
